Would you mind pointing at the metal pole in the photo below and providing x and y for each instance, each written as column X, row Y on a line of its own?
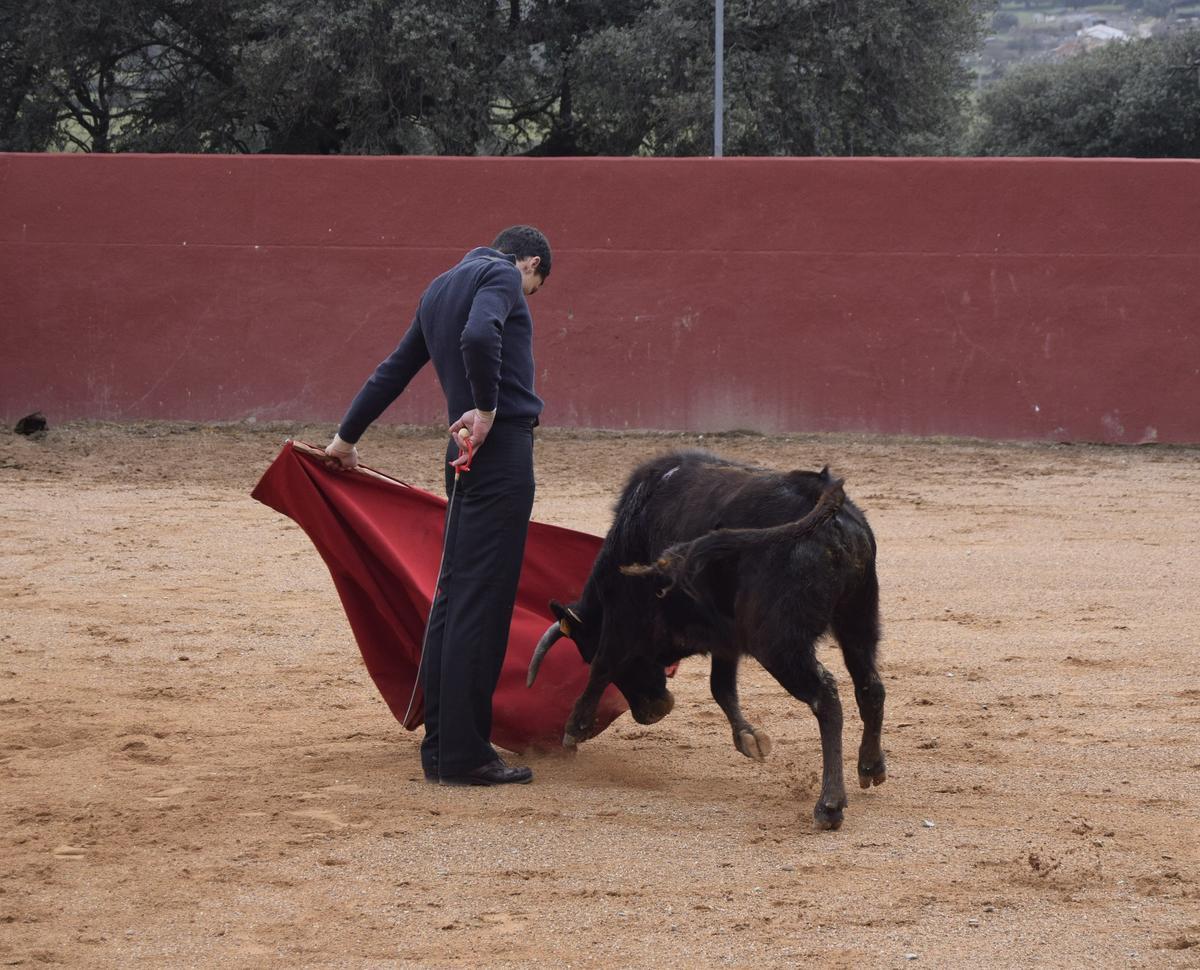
column 719, row 83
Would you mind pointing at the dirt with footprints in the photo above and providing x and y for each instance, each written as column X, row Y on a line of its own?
column 196, row 770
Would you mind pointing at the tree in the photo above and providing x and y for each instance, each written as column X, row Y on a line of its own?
column 813, row 77
column 183, row 81
column 552, row 77
column 116, row 75
column 1139, row 99
column 26, row 122
column 65, row 60
column 548, row 66
column 368, row 76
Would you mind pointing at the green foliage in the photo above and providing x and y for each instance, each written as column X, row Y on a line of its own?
column 1139, row 99
column 578, row 77
column 364, row 76
column 803, row 77
column 26, row 121
column 116, row 75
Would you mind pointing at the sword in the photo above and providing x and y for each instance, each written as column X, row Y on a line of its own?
column 464, row 445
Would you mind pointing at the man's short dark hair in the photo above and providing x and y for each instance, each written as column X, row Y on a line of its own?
column 523, row 241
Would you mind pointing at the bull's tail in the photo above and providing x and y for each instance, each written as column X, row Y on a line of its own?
column 681, row 565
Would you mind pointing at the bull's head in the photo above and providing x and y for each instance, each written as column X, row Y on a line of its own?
column 638, row 677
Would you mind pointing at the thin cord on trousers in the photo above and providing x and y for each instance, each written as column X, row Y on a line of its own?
column 464, row 444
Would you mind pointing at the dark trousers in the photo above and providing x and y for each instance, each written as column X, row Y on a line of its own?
column 468, row 626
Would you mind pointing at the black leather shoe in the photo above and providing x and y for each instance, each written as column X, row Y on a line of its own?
column 493, row 773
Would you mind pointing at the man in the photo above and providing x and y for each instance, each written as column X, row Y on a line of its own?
column 473, row 322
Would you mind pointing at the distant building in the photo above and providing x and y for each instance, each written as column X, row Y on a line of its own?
column 1100, row 34
column 1088, row 39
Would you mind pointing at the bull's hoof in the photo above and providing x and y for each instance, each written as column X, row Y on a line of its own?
column 576, row 732
column 753, row 743
column 875, row 774
column 570, row 741
column 653, row 711
column 828, row 818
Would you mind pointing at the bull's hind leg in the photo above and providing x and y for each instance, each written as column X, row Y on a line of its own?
column 748, row 739
column 807, row 680
column 856, row 627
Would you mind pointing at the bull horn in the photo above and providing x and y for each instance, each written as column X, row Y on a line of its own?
column 552, row 635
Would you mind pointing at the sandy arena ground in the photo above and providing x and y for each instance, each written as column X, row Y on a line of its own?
column 195, row 769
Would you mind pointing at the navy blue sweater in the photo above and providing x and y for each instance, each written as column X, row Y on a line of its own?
column 474, row 324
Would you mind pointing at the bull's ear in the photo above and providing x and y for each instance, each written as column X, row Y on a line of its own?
column 826, row 478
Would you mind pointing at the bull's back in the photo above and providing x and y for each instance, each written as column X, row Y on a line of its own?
column 684, row 495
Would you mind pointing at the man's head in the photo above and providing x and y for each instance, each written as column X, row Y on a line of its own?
column 532, row 252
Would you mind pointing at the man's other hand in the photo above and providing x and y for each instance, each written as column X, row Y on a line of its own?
column 478, row 423
column 341, row 454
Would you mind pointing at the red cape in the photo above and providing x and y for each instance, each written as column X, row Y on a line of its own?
column 382, row 542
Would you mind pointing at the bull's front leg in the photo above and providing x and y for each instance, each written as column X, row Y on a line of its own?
column 581, row 725
column 749, row 740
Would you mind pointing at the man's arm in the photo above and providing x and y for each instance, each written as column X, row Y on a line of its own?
column 391, row 377
column 482, row 346
column 483, row 337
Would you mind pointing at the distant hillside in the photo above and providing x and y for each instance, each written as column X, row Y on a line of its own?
column 1026, row 32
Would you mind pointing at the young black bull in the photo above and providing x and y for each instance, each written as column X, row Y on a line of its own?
column 745, row 561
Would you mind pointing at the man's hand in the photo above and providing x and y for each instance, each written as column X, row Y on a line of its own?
column 341, row 454
column 478, row 423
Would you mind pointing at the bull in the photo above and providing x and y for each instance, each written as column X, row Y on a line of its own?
column 710, row 556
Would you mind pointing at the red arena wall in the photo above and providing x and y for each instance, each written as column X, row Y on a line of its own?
column 1006, row 298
